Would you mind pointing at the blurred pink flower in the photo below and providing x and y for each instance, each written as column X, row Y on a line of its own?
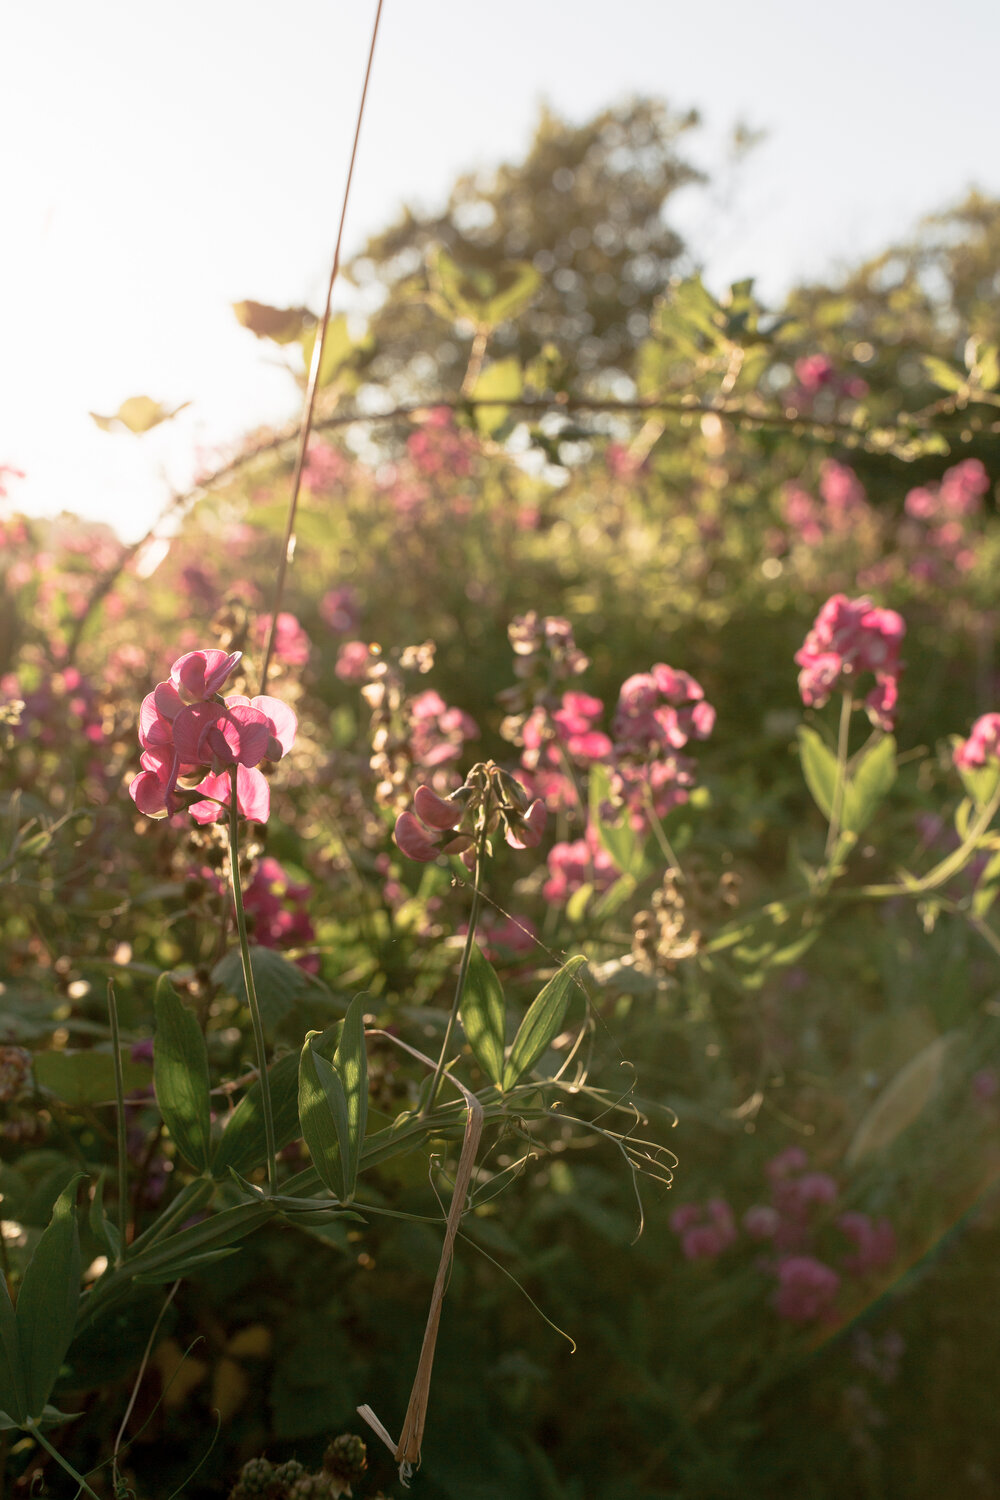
column 850, row 636
column 807, row 1289
column 982, row 745
column 291, row 644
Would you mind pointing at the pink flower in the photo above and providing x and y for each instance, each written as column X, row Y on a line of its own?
column 807, row 1289
column 761, row 1222
column 875, row 1241
column 704, row 1230
column 572, row 865
column 181, row 734
column 982, row 745
column 419, row 834
column 200, row 674
column 850, row 636
column 291, row 644
column 340, row 609
column 353, row 660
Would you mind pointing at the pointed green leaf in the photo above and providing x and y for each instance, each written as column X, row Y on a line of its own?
column 183, row 1266
column 48, row 1301
column 279, row 983
column 323, row 1116
column 819, row 767
column 284, row 325
column 87, row 1076
column 13, row 1396
column 543, row 1022
column 482, row 1015
column 943, row 375
column 870, row 781
column 180, row 1077
column 221, row 1229
column 351, row 1064
column 243, row 1145
column 101, row 1227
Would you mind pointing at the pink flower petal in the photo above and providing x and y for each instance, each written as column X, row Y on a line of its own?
column 411, row 838
column 434, row 810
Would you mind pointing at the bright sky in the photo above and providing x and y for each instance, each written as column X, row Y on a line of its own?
column 161, row 162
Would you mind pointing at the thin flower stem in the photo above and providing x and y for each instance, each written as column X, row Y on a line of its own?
column 288, row 545
column 255, row 1016
column 840, row 787
column 39, row 1436
column 463, row 970
column 122, row 1142
column 659, row 832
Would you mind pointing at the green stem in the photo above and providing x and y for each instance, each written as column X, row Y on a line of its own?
column 840, row 788
column 477, row 901
column 63, row 1463
column 255, row 1016
column 122, row 1143
column 659, row 832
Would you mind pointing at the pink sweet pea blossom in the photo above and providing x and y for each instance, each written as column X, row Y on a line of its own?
column 182, row 735
column 850, row 636
column 874, row 1239
column 291, row 644
column 982, row 745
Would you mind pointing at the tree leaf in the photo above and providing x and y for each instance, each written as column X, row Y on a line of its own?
column 502, row 381
column 138, row 414
column 243, row 1145
column 48, row 1301
column 282, row 325
column 941, row 374
column 543, row 1022
column 180, row 1077
column 483, row 1015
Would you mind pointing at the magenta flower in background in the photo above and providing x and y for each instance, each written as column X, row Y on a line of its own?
column 291, row 644
column 807, row 1289
column 704, row 1230
column 982, row 745
column 340, row 609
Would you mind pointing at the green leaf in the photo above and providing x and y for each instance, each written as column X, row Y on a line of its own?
column 483, row 1015
column 871, row 779
column 512, row 299
column 221, row 1229
column 180, row 1077
column 51, row 1417
column 338, row 348
column 183, row 1266
column 543, row 1021
column 819, row 767
column 351, row 1063
column 243, row 1145
column 620, row 839
column 501, row 381
column 986, row 887
column 101, row 1227
column 323, row 1117
column 279, row 983
column 48, row 1301
column 87, row 1077
column 138, row 414
column 13, row 1396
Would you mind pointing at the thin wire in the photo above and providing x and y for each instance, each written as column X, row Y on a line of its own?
column 288, row 545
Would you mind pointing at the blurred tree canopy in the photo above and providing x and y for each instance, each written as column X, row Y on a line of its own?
column 585, row 209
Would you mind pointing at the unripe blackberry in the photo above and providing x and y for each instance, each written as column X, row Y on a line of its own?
column 346, row 1457
column 255, row 1476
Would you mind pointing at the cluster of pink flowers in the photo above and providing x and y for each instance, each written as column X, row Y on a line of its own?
column 437, row 447
column 277, row 907
column 851, row 636
column 705, row 1230
column 982, row 745
column 62, row 704
column 842, row 505
column 325, row 467
column 936, row 528
column 437, row 732
column 185, row 727
column 577, row 863
column 799, row 1214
